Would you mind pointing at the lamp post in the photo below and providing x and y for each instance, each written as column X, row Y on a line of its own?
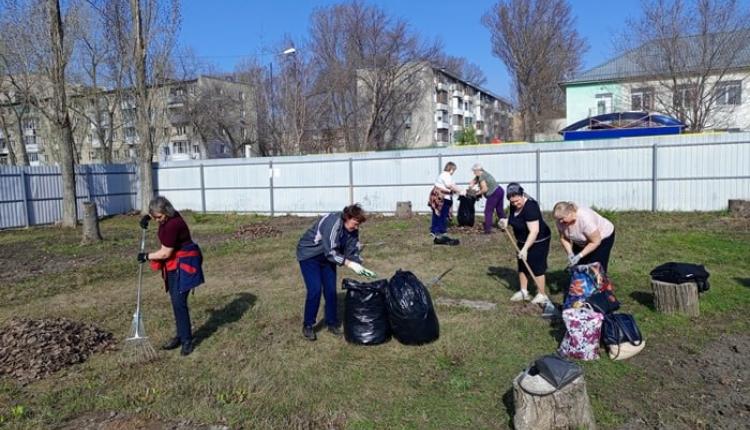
column 271, row 107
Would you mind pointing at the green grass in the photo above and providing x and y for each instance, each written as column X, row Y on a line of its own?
column 254, row 369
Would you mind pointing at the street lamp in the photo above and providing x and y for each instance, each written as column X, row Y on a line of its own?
column 288, row 51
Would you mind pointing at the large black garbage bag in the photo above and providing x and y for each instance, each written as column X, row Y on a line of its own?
column 466, row 210
column 365, row 314
column 410, row 310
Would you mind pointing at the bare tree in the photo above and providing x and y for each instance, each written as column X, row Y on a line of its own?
column 152, row 34
column 369, row 69
column 686, row 54
column 462, row 68
column 539, row 45
column 102, row 61
column 36, row 58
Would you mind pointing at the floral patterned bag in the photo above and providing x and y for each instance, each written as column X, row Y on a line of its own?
column 581, row 340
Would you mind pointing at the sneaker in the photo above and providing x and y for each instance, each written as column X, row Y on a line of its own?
column 540, row 299
column 519, row 295
column 171, row 344
column 308, row 332
column 187, row 348
column 335, row 330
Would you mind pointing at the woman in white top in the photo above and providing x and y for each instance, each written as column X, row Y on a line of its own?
column 585, row 235
column 441, row 202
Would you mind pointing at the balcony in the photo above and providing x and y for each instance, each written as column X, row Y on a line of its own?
column 441, row 107
column 177, row 100
column 457, row 127
column 442, row 86
column 442, row 125
column 458, row 93
column 32, row 148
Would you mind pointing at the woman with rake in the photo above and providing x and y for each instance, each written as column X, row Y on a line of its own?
column 180, row 261
column 532, row 242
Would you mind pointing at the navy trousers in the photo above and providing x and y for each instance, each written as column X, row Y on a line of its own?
column 440, row 222
column 319, row 275
column 180, row 308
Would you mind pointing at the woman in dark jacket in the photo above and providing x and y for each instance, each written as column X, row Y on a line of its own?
column 180, row 261
column 333, row 240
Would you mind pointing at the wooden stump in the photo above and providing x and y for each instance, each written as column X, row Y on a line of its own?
column 676, row 298
column 568, row 408
column 403, row 210
column 91, row 232
column 739, row 207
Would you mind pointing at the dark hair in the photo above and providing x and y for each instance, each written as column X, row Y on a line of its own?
column 449, row 165
column 514, row 189
column 355, row 211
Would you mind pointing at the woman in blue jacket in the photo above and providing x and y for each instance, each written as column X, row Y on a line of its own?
column 333, row 240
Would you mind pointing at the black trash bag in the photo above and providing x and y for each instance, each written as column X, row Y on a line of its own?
column 410, row 310
column 365, row 314
column 466, row 210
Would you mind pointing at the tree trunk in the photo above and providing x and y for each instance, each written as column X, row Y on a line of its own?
column 91, row 232
column 568, row 408
column 146, row 150
column 62, row 119
column 22, row 156
column 676, row 298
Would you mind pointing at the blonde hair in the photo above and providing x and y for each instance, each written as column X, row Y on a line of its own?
column 563, row 209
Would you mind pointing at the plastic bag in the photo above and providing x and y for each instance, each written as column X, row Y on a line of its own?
column 410, row 310
column 365, row 314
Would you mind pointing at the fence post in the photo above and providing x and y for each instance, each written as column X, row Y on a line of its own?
column 270, row 184
column 654, row 178
column 203, row 190
column 440, row 163
column 351, row 181
column 538, row 174
column 25, row 193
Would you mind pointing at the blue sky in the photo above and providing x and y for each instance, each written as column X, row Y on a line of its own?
column 225, row 31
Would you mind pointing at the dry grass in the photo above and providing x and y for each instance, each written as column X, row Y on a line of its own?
column 253, row 369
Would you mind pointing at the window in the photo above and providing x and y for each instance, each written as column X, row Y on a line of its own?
column 180, row 129
column 181, row 147
column 117, row 154
column 683, row 96
column 222, row 149
column 33, row 156
column 242, row 95
column 242, row 113
column 601, row 107
column 166, row 131
column 92, row 155
column 642, row 99
column 729, row 93
column 2, row 143
column 603, row 103
column 243, row 132
column 166, row 151
column 129, row 132
column 29, row 124
column 468, row 121
column 29, row 140
column 196, row 150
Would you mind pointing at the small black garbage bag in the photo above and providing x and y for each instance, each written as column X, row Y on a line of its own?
column 466, row 210
column 410, row 310
column 365, row 314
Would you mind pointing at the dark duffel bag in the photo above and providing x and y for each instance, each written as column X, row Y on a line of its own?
column 603, row 302
column 410, row 310
column 678, row 273
column 620, row 328
column 365, row 314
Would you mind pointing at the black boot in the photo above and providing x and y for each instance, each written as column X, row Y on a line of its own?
column 309, row 333
column 336, row 330
column 171, row 344
column 187, row 348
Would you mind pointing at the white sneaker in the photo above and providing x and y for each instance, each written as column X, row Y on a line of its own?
column 519, row 295
column 540, row 299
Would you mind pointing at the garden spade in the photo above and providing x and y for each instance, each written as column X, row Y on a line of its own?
column 436, row 280
column 137, row 346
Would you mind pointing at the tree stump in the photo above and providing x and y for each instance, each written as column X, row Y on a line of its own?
column 568, row 408
column 676, row 298
column 739, row 207
column 403, row 210
column 91, row 232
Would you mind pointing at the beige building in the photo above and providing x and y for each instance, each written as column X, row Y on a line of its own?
column 207, row 117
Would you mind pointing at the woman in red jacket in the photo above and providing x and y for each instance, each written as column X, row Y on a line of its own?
column 180, row 261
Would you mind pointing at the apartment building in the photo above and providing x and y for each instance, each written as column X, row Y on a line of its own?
column 451, row 106
column 184, row 123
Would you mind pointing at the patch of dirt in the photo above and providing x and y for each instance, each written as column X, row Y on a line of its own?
column 117, row 421
column 477, row 229
column 472, row 304
column 525, row 308
column 256, row 231
column 33, row 349
column 692, row 390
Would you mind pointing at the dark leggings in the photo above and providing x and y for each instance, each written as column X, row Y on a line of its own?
column 600, row 254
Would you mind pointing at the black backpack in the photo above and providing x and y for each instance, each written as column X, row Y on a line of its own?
column 678, row 273
column 466, row 210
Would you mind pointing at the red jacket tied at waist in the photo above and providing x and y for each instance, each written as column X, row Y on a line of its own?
column 188, row 262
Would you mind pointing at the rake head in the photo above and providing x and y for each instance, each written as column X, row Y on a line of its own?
column 137, row 347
